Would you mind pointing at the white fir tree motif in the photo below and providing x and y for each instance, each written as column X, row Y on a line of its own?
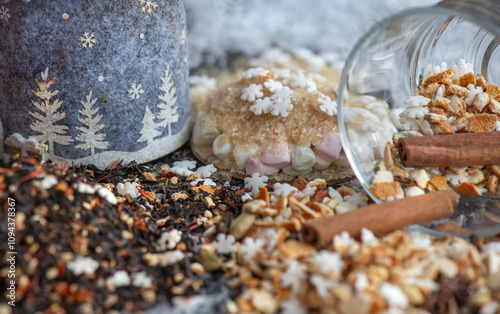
column 51, row 133
column 168, row 112
column 149, row 131
column 88, row 136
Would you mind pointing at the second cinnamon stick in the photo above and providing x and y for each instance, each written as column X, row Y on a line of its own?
column 451, row 150
column 382, row 218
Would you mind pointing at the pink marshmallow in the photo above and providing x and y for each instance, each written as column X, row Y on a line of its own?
column 255, row 165
column 329, row 149
column 277, row 157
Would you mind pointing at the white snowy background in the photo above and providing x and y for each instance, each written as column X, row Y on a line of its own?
column 219, row 28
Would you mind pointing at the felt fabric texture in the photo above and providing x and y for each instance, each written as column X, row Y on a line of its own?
column 96, row 81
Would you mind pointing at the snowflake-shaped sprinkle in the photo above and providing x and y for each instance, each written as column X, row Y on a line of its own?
column 357, row 199
column 306, row 192
column 129, row 188
column 328, row 106
column 119, row 279
column 168, row 240
column 255, row 182
column 332, row 193
column 148, row 6
column 361, row 282
column 368, row 238
column 441, row 91
column 204, row 181
column 299, row 80
column 281, row 108
column 329, row 262
column 281, row 73
column 82, row 265
column 416, row 101
column 461, row 68
column 293, row 276
column 107, row 195
column 437, row 69
column 135, row 91
column 88, row 40
column 172, row 257
column 188, row 164
column 48, row 182
column 142, row 280
column 283, row 189
column 420, row 241
column 293, row 306
column 473, row 91
column 225, row 244
column 342, row 241
column 426, row 128
column 181, row 171
column 246, row 197
column 4, row 14
column 498, row 126
column 253, row 72
column 273, row 85
column 252, row 92
column 393, row 295
column 282, row 94
column 322, row 284
column 261, row 106
column 456, row 179
column 250, row 247
column 206, row 171
column 268, row 235
column 415, row 112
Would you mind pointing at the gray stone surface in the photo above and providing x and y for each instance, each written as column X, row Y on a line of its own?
column 96, row 52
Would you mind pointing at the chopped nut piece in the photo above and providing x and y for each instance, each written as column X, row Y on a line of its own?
column 480, row 101
column 268, row 212
column 494, row 106
column 443, row 103
column 467, row 79
column 457, row 90
column 281, row 204
column 165, row 169
column 253, row 207
column 382, row 176
column 179, row 196
column 241, row 224
column 481, row 123
column 457, row 106
column 344, row 190
column 294, row 249
column 263, row 194
column 384, row 190
column 389, row 161
column 481, row 81
column 493, row 91
column 475, row 176
column 300, row 183
column 431, row 89
column 399, row 172
column 492, row 184
column 467, row 189
column 494, row 169
column 441, row 78
column 439, row 182
column 320, row 184
column 174, row 180
column 209, row 203
column 148, row 176
column 435, row 118
column 192, row 177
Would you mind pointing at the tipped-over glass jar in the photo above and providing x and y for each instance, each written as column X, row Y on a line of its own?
column 381, row 99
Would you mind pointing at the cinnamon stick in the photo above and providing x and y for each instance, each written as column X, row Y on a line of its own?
column 382, row 218
column 450, row 150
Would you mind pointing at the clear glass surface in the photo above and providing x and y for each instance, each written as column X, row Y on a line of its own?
column 390, row 61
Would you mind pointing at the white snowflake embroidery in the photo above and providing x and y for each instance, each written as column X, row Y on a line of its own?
column 322, row 284
column 168, row 240
column 225, row 244
column 473, row 91
column 82, row 265
column 135, row 91
column 328, row 106
column 329, row 262
column 171, row 258
column 119, row 279
column 250, row 247
column 4, row 14
column 142, row 280
column 252, row 92
column 261, row 106
column 88, row 40
column 129, row 188
column 255, row 182
column 148, row 6
column 293, row 276
column 206, row 171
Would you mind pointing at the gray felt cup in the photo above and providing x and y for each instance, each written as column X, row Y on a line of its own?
column 93, row 82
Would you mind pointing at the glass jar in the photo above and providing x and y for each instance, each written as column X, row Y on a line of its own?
column 386, row 66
